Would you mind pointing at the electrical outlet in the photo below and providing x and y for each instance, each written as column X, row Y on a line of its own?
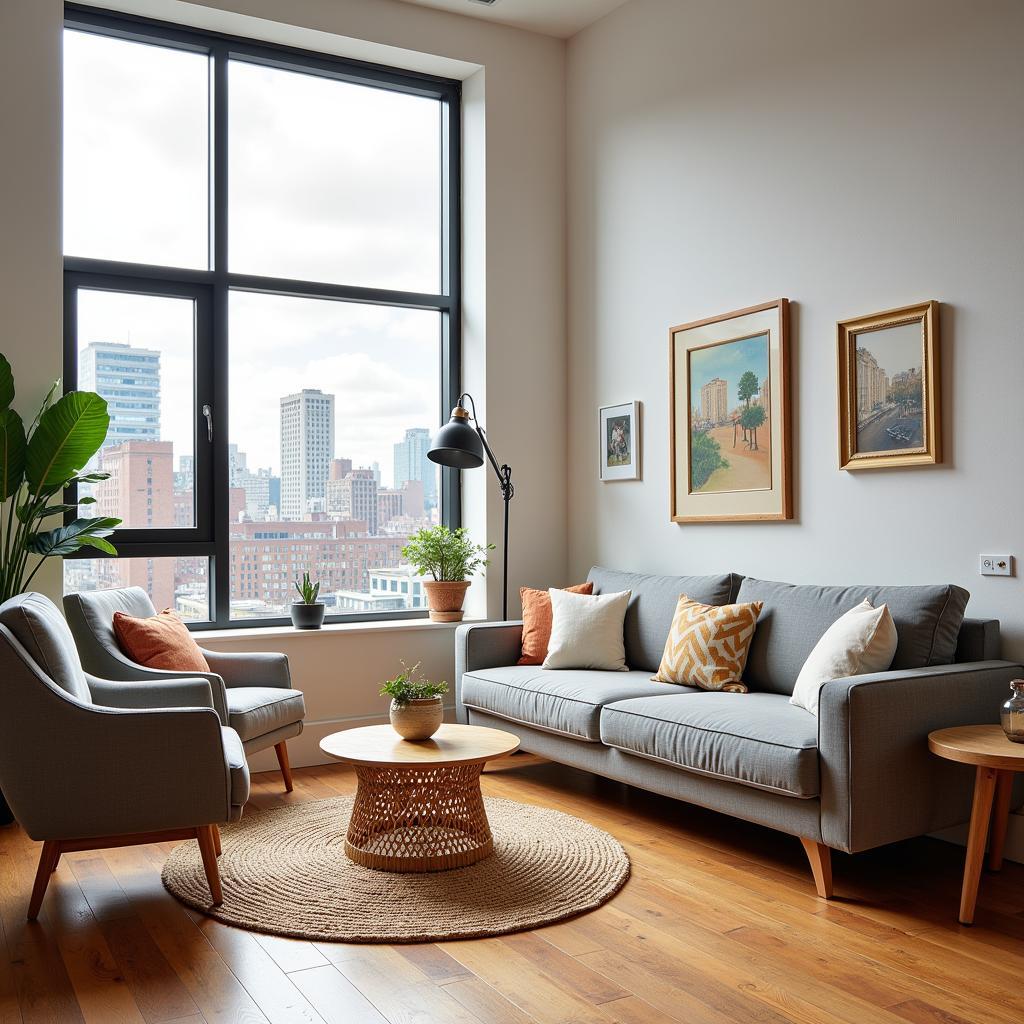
column 995, row 565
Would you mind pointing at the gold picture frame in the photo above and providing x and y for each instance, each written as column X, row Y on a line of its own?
column 730, row 417
column 890, row 398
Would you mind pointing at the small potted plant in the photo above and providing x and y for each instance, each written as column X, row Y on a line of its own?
column 309, row 612
column 416, row 707
column 449, row 557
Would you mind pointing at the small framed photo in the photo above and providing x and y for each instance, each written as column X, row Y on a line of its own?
column 620, row 441
column 889, row 394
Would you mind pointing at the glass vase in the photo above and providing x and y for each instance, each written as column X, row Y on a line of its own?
column 1012, row 712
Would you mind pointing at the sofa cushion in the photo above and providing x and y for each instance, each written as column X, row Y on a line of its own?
column 755, row 739
column 234, row 756
column 649, row 616
column 257, row 710
column 795, row 617
column 567, row 701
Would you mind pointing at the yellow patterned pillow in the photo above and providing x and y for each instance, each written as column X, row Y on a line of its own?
column 707, row 645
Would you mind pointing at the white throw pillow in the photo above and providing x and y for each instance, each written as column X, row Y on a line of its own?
column 861, row 641
column 586, row 631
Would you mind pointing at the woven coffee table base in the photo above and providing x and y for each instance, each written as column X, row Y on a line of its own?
column 418, row 818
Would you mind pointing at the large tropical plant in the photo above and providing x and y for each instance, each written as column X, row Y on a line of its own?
column 36, row 465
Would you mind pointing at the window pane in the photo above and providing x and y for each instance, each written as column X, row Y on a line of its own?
column 332, row 407
column 333, row 182
column 138, row 352
column 179, row 583
column 136, row 138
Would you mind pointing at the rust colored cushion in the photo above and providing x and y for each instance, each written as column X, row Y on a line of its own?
column 537, row 621
column 160, row 641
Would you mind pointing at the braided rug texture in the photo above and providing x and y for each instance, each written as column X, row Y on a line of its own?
column 285, row 872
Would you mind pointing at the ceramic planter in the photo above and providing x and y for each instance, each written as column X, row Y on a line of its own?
column 445, row 599
column 417, row 719
column 308, row 616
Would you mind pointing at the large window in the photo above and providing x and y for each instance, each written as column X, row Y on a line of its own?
column 261, row 279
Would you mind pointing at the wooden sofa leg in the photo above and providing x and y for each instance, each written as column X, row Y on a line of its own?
column 820, row 857
column 48, row 858
column 286, row 768
column 208, row 850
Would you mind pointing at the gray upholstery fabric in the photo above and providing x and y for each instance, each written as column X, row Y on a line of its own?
column 797, row 817
column 256, row 710
column 261, row 668
column 879, row 781
column 271, row 739
column 40, row 628
column 795, row 617
column 484, row 645
column 978, row 640
column 169, row 693
column 568, row 701
column 756, row 739
column 238, row 767
column 653, row 604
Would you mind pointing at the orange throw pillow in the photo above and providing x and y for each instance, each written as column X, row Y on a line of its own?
column 160, row 641
column 537, row 621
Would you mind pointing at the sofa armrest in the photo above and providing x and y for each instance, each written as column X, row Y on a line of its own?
column 879, row 782
column 193, row 692
column 484, row 645
column 250, row 669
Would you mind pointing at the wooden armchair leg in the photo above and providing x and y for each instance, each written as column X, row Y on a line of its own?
column 208, row 850
column 820, row 857
column 48, row 858
column 286, row 768
column 216, row 839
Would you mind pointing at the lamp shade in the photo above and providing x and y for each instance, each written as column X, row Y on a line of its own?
column 457, row 444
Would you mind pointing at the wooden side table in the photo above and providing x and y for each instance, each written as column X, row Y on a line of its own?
column 996, row 760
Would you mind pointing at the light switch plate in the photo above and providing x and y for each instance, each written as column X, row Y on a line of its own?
column 995, row 565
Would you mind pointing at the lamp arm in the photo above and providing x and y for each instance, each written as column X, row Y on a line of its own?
column 503, row 472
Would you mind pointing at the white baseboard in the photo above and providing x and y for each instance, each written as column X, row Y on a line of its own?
column 1014, row 849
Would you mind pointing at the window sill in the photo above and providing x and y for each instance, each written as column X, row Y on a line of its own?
column 245, row 634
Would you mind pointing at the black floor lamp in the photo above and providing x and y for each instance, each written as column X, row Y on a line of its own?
column 461, row 446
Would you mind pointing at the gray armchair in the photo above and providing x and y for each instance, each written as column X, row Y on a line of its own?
column 88, row 763
column 252, row 693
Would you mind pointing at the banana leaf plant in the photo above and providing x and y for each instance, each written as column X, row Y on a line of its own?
column 35, row 468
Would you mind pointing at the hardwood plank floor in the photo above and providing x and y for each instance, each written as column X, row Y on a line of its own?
column 719, row 923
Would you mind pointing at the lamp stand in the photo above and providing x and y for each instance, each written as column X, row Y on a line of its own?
column 504, row 474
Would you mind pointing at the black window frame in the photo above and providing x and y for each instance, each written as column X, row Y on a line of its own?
column 210, row 536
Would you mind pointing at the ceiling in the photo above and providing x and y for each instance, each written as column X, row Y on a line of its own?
column 562, row 18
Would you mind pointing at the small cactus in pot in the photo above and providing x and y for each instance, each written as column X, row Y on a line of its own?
column 308, row 613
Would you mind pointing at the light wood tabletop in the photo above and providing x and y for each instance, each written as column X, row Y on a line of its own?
column 978, row 745
column 450, row 745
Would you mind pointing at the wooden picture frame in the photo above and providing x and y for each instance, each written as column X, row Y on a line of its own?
column 729, row 462
column 619, row 425
column 890, row 398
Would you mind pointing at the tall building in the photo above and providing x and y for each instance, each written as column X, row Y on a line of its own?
column 354, row 496
column 872, row 384
column 307, row 448
column 764, row 397
column 714, row 401
column 411, row 463
column 129, row 379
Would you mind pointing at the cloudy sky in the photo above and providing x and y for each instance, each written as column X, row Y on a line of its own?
column 329, row 182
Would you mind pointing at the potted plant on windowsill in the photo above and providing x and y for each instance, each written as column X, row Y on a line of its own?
column 449, row 557
column 36, row 466
column 416, row 707
column 308, row 613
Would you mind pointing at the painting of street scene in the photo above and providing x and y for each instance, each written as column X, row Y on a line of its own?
column 890, row 389
column 730, row 416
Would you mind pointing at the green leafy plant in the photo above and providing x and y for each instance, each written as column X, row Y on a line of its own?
column 705, row 458
column 407, row 686
column 447, row 555
column 35, row 468
column 308, row 590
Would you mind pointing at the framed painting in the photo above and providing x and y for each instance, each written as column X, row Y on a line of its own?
column 889, row 392
column 730, row 417
column 619, row 440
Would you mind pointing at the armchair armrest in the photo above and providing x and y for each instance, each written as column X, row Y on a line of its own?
column 879, row 782
column 250, row 669
column 165, row 693
column 484, row 645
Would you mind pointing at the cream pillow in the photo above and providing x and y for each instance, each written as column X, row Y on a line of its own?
column 586, row 631
column 863, row 640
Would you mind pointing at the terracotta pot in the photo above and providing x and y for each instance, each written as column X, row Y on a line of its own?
column 417, row 719
column 445, row 599
column 308, row 616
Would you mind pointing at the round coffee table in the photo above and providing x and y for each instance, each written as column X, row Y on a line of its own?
column 418, row 804
column 996, row 759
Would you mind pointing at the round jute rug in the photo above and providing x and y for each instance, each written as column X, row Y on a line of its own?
column 285, row 872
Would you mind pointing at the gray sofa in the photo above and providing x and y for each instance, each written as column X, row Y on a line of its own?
column 857, row 776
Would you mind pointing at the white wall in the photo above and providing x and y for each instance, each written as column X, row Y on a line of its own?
column 852, row 157
column 514, row 343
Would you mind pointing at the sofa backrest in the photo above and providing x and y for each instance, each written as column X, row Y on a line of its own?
column 794, row 617
column 650, row 611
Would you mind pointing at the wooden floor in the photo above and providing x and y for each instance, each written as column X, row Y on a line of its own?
column 719, row 923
